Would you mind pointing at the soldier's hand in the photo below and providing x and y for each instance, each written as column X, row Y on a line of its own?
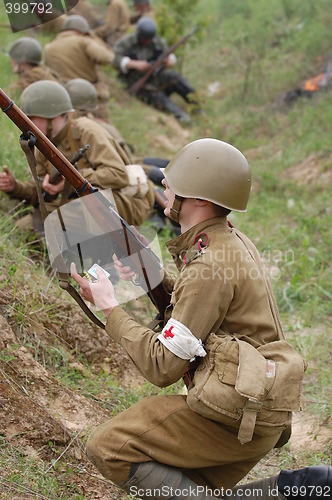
column 52, row 189
column 101, row 292
column 139, row 65
column 7, row 180
column 125, row 272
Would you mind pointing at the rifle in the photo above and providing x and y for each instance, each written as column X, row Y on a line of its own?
column 56, row 176
column 136, row 87
column 141, row 257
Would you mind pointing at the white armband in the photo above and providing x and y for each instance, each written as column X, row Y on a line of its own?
column 123, row 64
column 178, row 339
column 172, row 59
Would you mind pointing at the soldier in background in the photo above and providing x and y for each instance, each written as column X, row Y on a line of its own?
column 88, row 11
column 134, row 54
column 74, row 53
column 142, row 7
column 104, row 165
column 85, row 102
column 116, row 24
column 84, row 99
column 26, row 62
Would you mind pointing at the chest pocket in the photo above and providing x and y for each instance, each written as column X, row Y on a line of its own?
column 244, row 387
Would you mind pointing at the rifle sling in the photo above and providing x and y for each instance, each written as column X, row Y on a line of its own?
column 65, row 285
column 27, row 145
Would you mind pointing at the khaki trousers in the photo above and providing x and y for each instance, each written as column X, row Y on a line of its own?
column 165, row 429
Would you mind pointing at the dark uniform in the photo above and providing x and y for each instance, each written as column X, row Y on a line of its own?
column 160, row 85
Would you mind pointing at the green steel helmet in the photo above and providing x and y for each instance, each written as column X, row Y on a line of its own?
column 76, row 23
column 46, row 99
column 26, row 49
column 146, row 28
column 83, row 94
column 211, row 170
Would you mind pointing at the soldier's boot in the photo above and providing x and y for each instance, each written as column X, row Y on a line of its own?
column 152, row 480
column 163, row 102
column 310, row 483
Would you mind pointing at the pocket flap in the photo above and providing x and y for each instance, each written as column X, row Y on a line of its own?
column 251, row 376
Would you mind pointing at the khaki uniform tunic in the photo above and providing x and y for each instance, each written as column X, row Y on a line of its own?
column 73, row 55
column 103, row 165
column 35, row 74
column 221, row 289
column 117, row 22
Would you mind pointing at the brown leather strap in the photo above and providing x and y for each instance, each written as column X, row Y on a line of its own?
column 65, row 285
column 27, row 146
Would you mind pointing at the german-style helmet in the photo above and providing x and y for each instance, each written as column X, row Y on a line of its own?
column 211, row 170
column 146, row 28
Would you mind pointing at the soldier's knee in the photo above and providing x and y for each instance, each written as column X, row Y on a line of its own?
column 93, row 446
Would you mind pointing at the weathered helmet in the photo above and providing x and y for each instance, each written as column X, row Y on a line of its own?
column 146, row 28
column 211, row 170
column 76, row 23
column 83, row 94
column 46, row 99
column 26, row 49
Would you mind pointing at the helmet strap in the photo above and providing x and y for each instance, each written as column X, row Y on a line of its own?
column 49, row 128
column 175, row 209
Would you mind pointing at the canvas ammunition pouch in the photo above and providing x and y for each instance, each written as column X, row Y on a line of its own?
column 138, row 185
column 253, row 390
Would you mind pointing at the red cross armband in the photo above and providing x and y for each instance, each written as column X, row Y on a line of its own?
column 178, row 339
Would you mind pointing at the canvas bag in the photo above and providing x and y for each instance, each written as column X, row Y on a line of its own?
column 255, row 390
column 138, row 184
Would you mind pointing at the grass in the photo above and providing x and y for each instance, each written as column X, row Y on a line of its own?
column 255, row 51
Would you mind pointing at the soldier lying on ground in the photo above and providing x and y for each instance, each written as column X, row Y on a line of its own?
column 26, row 61
column 134, row 54
column 105, row 164
column 223, row 326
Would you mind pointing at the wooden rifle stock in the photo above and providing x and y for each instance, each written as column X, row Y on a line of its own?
column 104, row 215
column 136, row 87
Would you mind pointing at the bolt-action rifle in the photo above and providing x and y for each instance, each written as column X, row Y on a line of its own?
column 143, row 260
column 137, row 86
column 56, row 176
